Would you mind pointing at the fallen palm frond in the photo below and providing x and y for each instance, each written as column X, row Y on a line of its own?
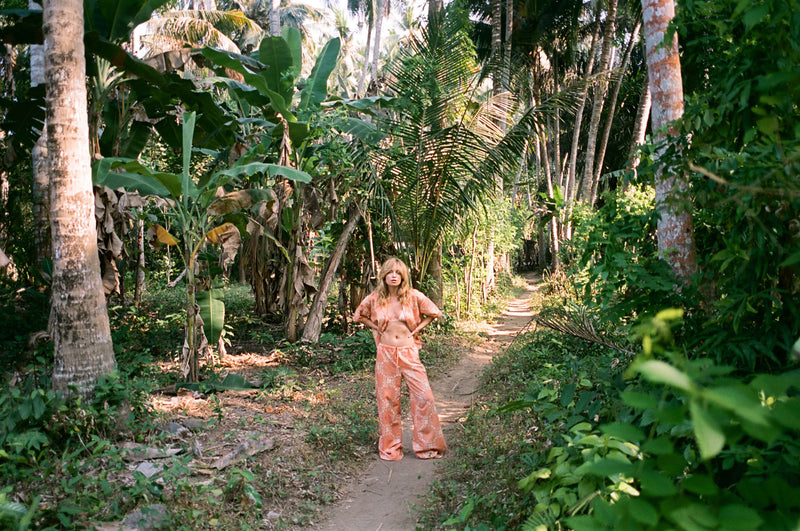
column 575, row 320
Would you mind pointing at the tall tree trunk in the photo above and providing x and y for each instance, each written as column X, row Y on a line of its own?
column 497, row 89
column 434, row 271
column 41, row 180
column 553, row 223
column 275, row 18
column 79, row 319
column 600, row 88
column 675, row 229
column 640, row 125
column 313, row 326
column 612, row 106
column 380, row 7
column 366, row 66
column 571, row 187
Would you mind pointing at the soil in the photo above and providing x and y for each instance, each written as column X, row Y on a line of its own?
column 383, row 497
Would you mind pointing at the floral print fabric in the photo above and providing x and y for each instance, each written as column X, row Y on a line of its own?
column 391, row 364
column 415, row 306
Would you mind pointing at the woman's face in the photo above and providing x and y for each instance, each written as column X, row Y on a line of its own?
column 394, row 277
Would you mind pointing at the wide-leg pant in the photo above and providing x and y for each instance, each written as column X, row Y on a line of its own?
column 393, row 363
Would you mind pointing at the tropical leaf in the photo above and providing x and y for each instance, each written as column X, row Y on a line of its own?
column 212, row 311
column 316, row 90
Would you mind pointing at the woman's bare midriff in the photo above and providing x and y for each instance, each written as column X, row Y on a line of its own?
column 397, row 334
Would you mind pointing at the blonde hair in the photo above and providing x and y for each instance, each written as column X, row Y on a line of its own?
column 405, row 284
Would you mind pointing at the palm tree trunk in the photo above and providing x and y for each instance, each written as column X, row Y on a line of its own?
column 640, row 125
column 380, row 7
column 434, row 271
column 612, row 105
column 553, row 224
column 41, row 180
column 313, row 326
column 570, row 190
column 79, row 319
column 365, row 67
column 675, row 226
column 275, row 18
column 600, row 88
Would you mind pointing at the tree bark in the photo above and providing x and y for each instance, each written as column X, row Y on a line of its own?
column 380, row 7
column 313, row 326
column 571, row 185
column 600, row 88
column 612, row 106
column 275, row 18
column 434, row 270
column 79, row 319
column 640, row 125
column 675, row 231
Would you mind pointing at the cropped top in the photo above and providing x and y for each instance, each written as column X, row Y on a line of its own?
column 414, row 308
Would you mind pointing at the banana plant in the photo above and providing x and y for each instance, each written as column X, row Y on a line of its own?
column 266, row 87
column 202, row 210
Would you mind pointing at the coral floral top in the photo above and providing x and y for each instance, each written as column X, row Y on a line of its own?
column 415, row 306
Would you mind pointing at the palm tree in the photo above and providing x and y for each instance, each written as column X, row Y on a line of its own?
column 365, row 10
column 600, row 88
column 173, row 30
column 675, row 227
column 79, row 319
column 443, row 137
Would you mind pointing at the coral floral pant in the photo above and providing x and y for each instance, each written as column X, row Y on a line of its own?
column 393, row 363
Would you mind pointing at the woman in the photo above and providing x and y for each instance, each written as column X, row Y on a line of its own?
column 396, row 313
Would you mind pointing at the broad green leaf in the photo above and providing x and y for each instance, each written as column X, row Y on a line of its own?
column 739, row 402
column 694, row 516
column 754, row 14
column 643, row 511
column 607, row 467
column 659, row 446
column 136, row 177
column 788, row 413
column 626, row 432
column 242, row 64
column 212, row 311
column 528, row 482
column 272, row 170
column 298, row 132
column 654, row 483
column 316, row 90
column 670, row 314
column 279, row 75
column 188, row 137
column 709, row 436
column 360, row 129
column 567, row 394
column 661, row 372
column 739, row 518
column 638, row 400
column 700, row 484
column 294, row 39
column 583, row 523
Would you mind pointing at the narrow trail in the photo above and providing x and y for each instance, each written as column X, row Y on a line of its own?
column 382, row 498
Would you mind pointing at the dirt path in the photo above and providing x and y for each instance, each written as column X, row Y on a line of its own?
column 383, row 496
